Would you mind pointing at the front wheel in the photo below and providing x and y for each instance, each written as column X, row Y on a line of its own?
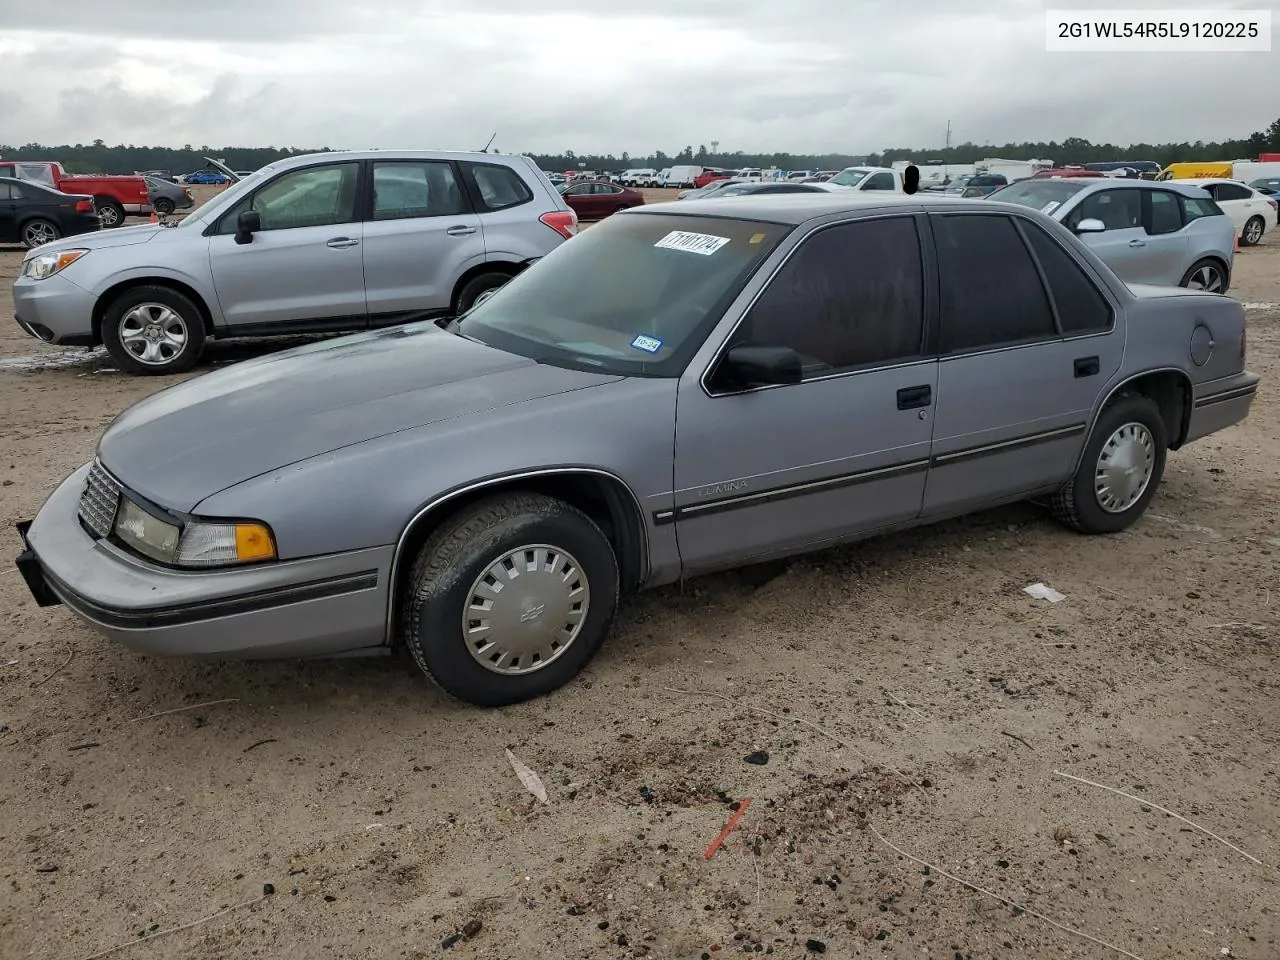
column 1207, row 275
column 510, row 599
column 153, row 330
column 38, row 232
column 1252, row 232
column 1120, row 470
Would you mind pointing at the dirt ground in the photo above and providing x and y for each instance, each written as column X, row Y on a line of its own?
column 907, row 692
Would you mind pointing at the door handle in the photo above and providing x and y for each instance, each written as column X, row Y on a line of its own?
column 1087, row 366
column 1137, row 243
column 339, row 243
column 460, row 231
column 909, row 398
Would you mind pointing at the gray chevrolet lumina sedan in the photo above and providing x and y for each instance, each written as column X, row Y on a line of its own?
column 679, row 390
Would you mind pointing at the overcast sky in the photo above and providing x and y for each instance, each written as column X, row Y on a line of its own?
column 849, row 76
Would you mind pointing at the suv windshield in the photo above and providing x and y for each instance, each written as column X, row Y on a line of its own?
column 1043, row 194
column 849, row 178
column 635, row 295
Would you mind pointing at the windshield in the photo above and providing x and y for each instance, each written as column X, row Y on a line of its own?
column 635, row 295
column 850, row 178
column 1044, row 195
column 227, row 197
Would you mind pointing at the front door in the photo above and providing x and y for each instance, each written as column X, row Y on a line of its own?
column 1020, row 367
column 773, row 470
column 1123, row 245
column 8, row 215
column 304, row 269
column 420, row 237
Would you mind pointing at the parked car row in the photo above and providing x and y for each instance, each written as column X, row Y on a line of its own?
column 32, row 214
column 522, row 465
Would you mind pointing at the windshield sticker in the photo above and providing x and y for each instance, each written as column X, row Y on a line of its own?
column 1049, row 207
column 756, row 238
column 701, row 243
column 648, row 344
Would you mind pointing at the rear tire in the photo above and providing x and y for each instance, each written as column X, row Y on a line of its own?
column 38, row 231
column 1208, row 275
column 491, row 650
column 1120, row 470
column 153, row 331
column 476, row 288
column 110, row 213
column 1252, row 233
column 163, row 207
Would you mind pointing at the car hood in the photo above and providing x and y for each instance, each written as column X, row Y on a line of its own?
column 101, row 239
column 187, row 443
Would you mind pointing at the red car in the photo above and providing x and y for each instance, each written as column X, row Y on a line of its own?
column 596, row 199
column 710, row 176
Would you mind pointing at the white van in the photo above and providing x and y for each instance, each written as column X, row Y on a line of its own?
column 683, row 176
column 637, row 177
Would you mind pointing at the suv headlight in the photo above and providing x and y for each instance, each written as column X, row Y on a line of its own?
column 45, row 265
column 196, row 543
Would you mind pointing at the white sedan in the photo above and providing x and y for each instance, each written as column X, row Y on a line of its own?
column 1252, row 211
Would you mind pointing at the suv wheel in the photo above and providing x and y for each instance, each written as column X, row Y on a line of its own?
column 479, row 288
column 510, row 599
column 153, row 330
column 1120, row 470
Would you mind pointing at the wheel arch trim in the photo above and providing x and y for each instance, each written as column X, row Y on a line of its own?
column 499, row 480
column 1187, row 402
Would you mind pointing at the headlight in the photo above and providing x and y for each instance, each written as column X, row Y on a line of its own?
column 195, row 543
column 45, row 265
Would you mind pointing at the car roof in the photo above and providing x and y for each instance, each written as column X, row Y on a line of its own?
column 1196, row 181
column 304, row 159
column 1095, row 184
column 797, row 208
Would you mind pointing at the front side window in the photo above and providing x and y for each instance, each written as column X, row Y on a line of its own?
column 879, row 181
column 991, row 290
column 1117, row 209
column 849, row 296
column 498, row 187
column 421, row 188
column 633, row 295
column 310, row 197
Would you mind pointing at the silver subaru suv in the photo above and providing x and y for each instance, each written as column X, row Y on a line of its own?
column 328, row 242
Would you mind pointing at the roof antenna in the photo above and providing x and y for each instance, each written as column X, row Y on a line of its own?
column 490, row 143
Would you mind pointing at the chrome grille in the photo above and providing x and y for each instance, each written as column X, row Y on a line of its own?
column 99, row 501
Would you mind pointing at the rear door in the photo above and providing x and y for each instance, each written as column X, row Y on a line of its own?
column 420, row 237
column 1019, row 370
column 8, row 215
column 1238, row 202
column 1168, row 249
column 304, row 269
column 772, row 470
column 509, row 200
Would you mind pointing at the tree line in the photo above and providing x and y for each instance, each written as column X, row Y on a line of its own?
column 98, row 157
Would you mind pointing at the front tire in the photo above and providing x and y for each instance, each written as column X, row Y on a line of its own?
column 1252, row 233
column 153, row 331
column 510, row 599
column 1120, row 470
column 38, row 232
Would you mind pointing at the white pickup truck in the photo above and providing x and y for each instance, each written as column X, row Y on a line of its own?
column 866, row 178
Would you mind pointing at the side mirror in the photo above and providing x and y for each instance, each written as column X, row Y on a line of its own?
column 1091, row 225
column 762, row 366
column 247, row 224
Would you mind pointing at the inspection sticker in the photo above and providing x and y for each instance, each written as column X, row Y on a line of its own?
column 1049, row 207
column 647, row 344
column 701, row 243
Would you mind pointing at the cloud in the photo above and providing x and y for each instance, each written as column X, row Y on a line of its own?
column 799, row 76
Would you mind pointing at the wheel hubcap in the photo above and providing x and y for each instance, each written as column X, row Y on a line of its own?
column 1207, row 278
column 38, row 233
column 526, row 609
column 1253, row 232
column 108, row 215
column 153, row 333
column 1124, row 468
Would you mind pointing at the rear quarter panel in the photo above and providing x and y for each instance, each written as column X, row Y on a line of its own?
column 516, row 235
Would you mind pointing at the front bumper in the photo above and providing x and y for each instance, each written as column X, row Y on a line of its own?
column 322, row 606
column 1221, row 403
column 54, row 310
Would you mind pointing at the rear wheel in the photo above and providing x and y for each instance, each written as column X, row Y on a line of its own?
column 1120, row 470
column 1207, row 275
column 510, row 599
column 163, row 206
column 478, row 289
column 1252, row 232
column 109, row 212
column 153, row 330
column 39, row 231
